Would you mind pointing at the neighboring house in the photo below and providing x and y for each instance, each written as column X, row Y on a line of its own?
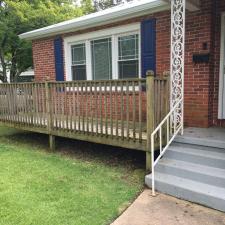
column 27, row 76
column 128, row 40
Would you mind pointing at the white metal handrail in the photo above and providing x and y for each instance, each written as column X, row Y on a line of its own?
column 173, row 127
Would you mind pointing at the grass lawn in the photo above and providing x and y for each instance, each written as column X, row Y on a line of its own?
column 80, row 184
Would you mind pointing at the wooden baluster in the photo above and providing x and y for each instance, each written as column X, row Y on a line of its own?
column 166, row 95
column 106, row 107
column 91, row 107
column 29, row 105
column 101, row 108
column 48, row 110
column 9, row 103
column 96, row 107
column 140, row 109
column 73, row 120
column 82, row 105
column 111, row 113
column 127, row 109
column 134, row 109
column 66, row 105
column 122, row 108
column 70, row 97
column 78, row 104
column 37, row 103
column 159, row 103
column 86, row 101
column 116, row 108
column 60, row 107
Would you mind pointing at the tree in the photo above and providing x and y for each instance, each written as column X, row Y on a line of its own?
column 19, row 16
column 104, row 4
column 87, row 6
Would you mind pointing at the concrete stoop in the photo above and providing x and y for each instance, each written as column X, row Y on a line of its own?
column 193, row 170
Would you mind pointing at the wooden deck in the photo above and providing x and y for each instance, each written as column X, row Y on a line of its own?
column 119, row 112
column 133, row 139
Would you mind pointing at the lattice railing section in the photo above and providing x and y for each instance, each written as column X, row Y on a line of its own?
column 177, row 55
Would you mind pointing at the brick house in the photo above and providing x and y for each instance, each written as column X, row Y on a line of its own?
column 127, row 41
column 204, row 95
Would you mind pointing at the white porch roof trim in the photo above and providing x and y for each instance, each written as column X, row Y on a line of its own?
column 114, row 14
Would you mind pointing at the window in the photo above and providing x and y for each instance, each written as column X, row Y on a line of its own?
column 101, row 51
column 112, row 53
column 128, row 60
column 78, row 62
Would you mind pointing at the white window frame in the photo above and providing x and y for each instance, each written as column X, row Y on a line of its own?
column 114, row 33
column 221, row 105
column 71, row 63
column 117, row 51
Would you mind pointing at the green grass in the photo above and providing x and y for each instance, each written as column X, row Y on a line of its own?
column 80, row 184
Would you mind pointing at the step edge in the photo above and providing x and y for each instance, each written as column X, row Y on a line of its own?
column 199, row 147
column 211, row 187
column 190, row 198
column 200, row 141
column 197, row 152
column 171, row 162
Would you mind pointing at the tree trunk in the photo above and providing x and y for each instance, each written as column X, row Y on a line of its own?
column 13, row 70
column 3, row 76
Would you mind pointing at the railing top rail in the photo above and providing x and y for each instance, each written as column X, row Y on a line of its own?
column 23, row 83
column 161, row 78
column 87, row 81
column 101, row 81
column 80, row 81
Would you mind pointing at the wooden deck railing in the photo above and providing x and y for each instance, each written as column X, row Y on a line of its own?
column 115, row 112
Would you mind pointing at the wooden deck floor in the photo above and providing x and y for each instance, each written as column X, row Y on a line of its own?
column 82, row 128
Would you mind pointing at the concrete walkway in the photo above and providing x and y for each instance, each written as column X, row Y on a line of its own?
column 167, row 210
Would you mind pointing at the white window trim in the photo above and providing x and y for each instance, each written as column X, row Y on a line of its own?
column 114, row 33
column 221, row 105
column 117, row 51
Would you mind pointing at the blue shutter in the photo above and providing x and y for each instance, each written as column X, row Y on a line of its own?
column 59, row 65
column 148, row 46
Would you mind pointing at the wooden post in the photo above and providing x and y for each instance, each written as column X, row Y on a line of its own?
column 52, row 142
column 49, row 115
column 166, row 98
column 166, row 75
column 150, row 116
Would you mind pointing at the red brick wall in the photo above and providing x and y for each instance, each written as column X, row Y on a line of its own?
column 197, row 76
column 43, row 57
column 201, row 80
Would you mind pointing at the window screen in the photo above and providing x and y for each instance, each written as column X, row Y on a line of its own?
column 78, row 62
column 101, row 52
column 128, row 61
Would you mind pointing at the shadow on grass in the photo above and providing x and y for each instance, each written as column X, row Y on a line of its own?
column 86, row 151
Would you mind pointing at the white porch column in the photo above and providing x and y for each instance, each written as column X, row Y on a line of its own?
column 177, row 56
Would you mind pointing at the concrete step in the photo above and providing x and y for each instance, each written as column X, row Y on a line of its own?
column 200, row 147
column 190, row 190
column 201, row 141
column 192, row 171
column 198, row 156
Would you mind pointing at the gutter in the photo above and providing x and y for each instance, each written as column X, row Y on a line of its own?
column 111, row 15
